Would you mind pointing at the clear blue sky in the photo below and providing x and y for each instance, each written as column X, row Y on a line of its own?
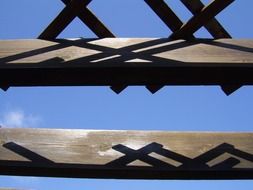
column 172, row 108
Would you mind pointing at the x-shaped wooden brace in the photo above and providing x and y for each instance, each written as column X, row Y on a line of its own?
column 202, row 16
column 73, row 9
column 199, row 162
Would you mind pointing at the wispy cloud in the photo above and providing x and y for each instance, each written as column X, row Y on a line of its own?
column 18, row 119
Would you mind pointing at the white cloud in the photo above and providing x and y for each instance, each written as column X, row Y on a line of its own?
column 18, row 119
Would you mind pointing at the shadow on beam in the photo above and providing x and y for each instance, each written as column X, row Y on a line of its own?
column 124, row 62
column 188, row 168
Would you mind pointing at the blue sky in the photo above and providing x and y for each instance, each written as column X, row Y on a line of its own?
column 172, row 108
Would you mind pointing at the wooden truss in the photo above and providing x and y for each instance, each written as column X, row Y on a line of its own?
column 180, row 59
column 203, row 16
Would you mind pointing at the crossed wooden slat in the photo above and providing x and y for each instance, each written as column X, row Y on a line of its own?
column 202, row 16
column 215, row 29
column 73, row 9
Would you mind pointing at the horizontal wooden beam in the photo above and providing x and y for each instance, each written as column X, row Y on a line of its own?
column 123, row 62
column 126, row 154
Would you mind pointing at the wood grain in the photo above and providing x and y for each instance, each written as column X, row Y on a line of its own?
column 126, row 154
column 124, row 61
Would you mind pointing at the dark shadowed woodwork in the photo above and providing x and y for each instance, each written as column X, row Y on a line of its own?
column 121, row 62
column 161, row 8
column 212, row 26
column 201, row 19
column 76, row 8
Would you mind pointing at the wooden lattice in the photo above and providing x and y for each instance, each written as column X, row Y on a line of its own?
column 203, row 16
column 225, row 75
column 180, row 59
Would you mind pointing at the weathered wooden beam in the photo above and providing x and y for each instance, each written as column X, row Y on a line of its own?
column 126, row 154
column 122, row 62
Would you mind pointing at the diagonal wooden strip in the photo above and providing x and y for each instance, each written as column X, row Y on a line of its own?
column 166, row 14
column 89, row 19
column 95, row 24
column 65, row 17
column 197, row 21
column 171, row 20
column 215, row 29
column 213, row 26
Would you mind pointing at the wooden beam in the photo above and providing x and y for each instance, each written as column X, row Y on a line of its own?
column 119, row 62
column 126, row 154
